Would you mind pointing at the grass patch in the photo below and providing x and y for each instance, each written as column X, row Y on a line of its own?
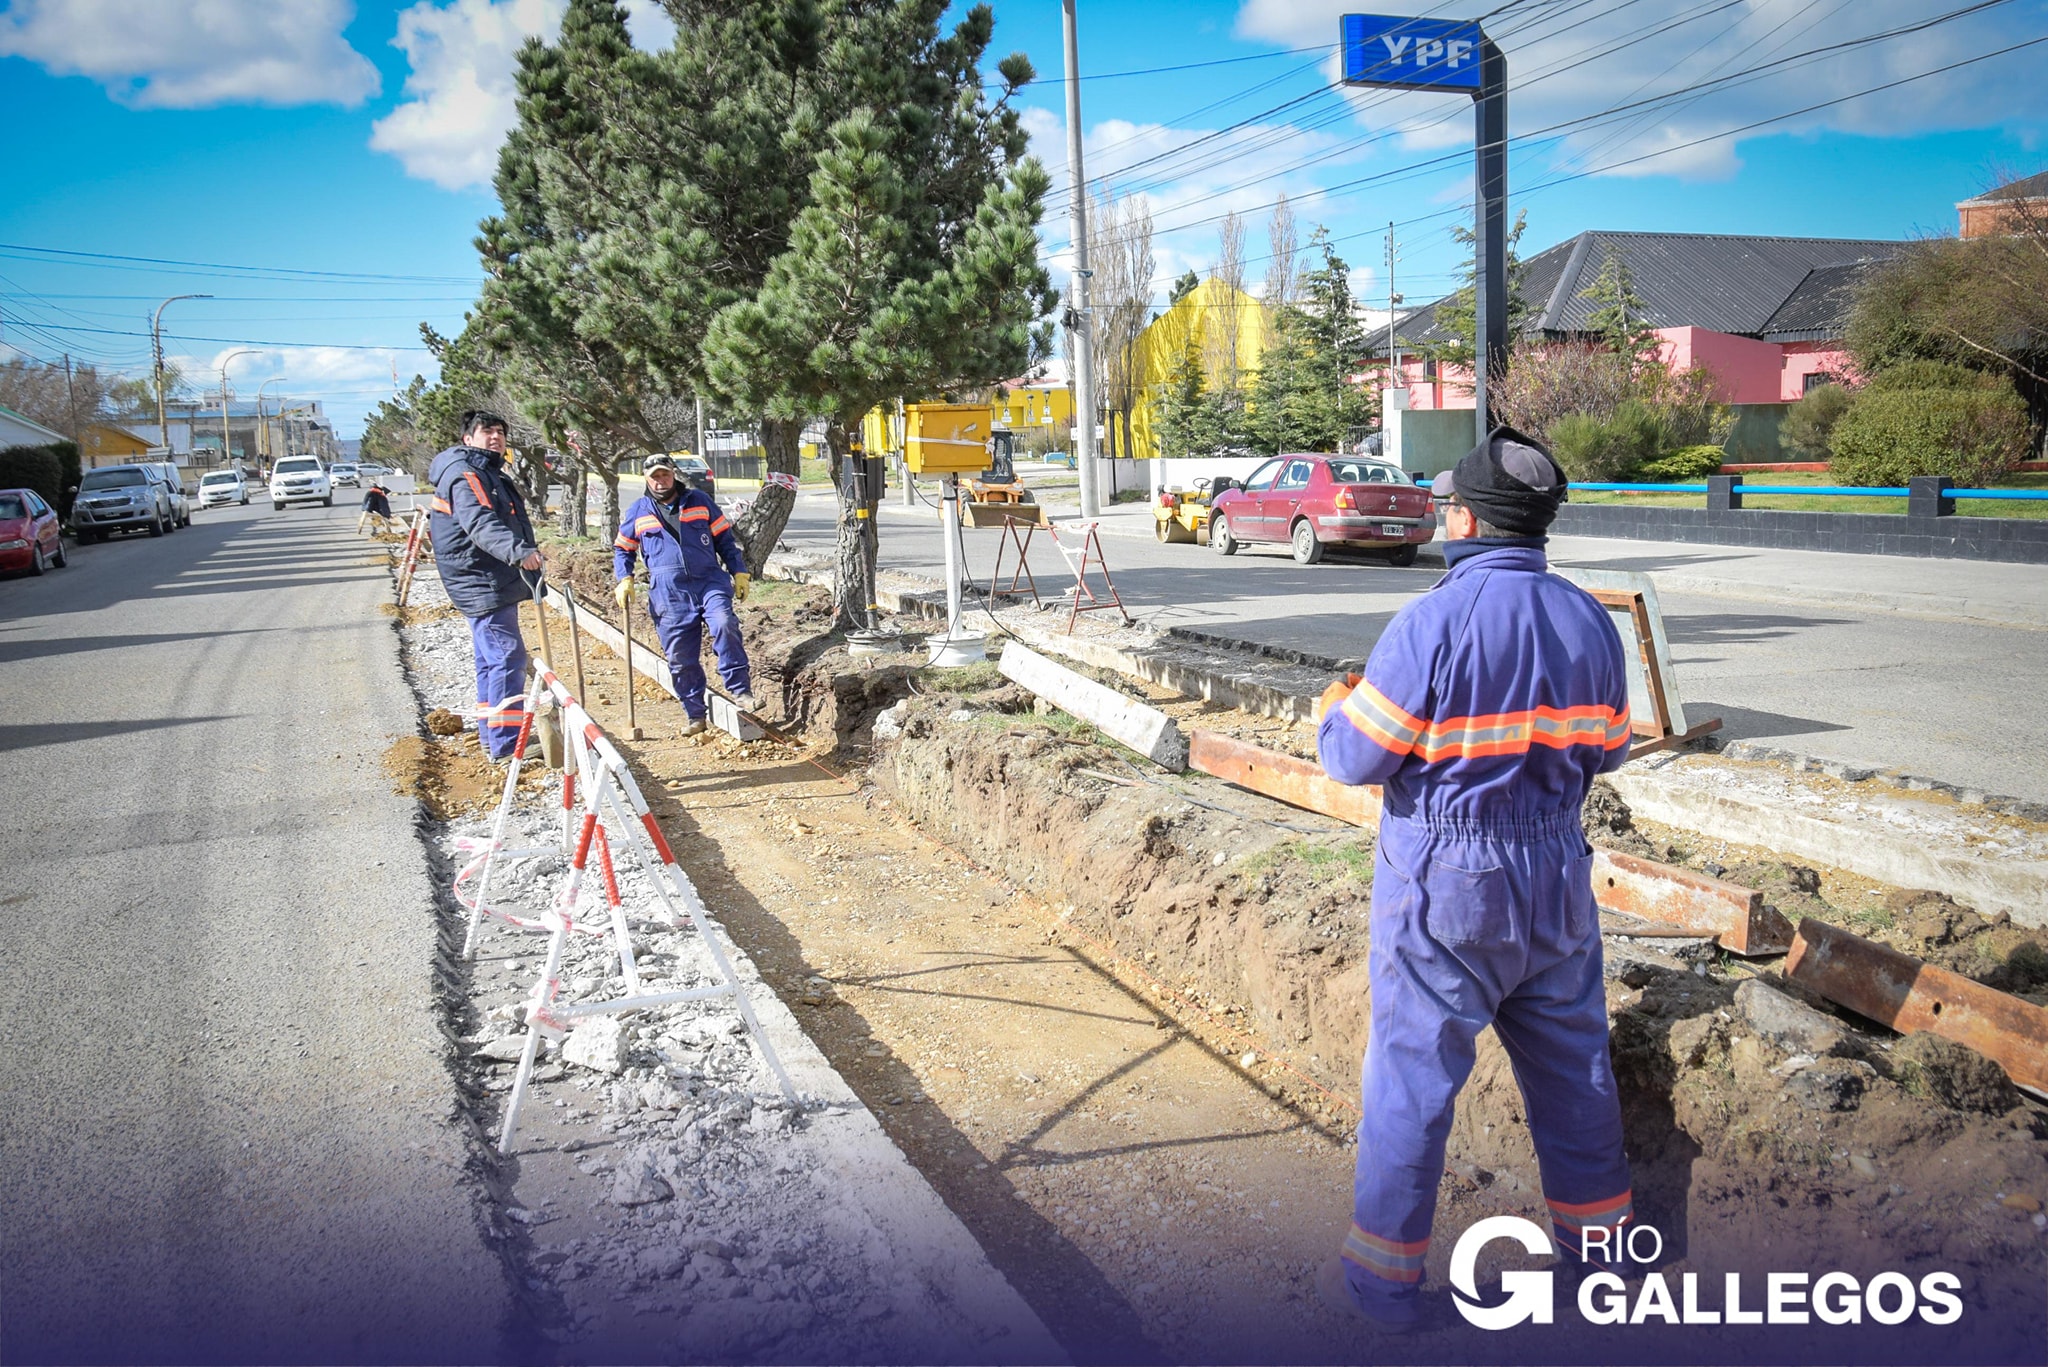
column 1869, row 920
column 1322, row 861
column 1818, row 503
column 975, row 678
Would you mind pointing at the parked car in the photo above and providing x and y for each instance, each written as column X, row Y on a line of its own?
column 300, row 479
column 217, row 488
column 1310, row 503
column 121, row 498
column 344, row 472
column 174, row 489
column 29, row 538
column 694, row 472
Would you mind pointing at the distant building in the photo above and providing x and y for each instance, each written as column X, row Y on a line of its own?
column 1765, row 314
column 17, row 430
column 256, row 431
column 1989, row 212
column 103, row 443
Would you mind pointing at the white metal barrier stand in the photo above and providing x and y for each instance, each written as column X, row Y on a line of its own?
column 611, row 801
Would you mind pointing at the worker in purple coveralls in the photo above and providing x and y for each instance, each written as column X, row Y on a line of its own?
column 1485, row 711
column 695, row 571
column 489, row 562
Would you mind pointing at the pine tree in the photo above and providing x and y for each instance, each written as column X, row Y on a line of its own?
column 1620, row 316
column 1303, row 397
column 1457, row 316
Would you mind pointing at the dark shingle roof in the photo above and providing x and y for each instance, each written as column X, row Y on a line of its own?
column 1723, row 283
column 1819, row 307
column 2032, row 187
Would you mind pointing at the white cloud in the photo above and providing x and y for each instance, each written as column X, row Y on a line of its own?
column 1564, row 70
column 460, row 96
column 348, row 382
column 153, row 55
column 1189, row 178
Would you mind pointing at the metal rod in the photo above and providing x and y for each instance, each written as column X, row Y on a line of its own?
column 576, row 644
column 632, row 722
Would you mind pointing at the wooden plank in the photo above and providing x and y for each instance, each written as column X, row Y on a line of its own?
column 1297, row 782
column 1144, row 729
column 1670, row 896
column 1908, row 995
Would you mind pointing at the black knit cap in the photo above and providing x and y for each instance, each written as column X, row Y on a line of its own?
column 1509, row 480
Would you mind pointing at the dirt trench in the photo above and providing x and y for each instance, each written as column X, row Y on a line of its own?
column 1118, row 1029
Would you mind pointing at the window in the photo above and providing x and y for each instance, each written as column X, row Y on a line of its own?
column 1815, row 379
column 12, row 509
column 1296, row 476
column 36, row 506
column 1262, row 478
column 116, row 478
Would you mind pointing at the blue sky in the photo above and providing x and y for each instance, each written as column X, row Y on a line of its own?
column 328, row 160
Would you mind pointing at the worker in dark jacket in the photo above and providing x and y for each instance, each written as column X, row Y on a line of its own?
column 489, row 561
column 1485, row 711
column 695, row 570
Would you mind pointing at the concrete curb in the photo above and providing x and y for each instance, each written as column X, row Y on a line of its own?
column 2019, row 887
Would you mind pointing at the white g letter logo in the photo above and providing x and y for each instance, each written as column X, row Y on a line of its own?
column 1528, row 1293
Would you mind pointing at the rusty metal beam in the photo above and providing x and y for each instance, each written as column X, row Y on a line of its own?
column 1908, row 995
column 1621, row 882
column 1678, row 897
column 1297, row 782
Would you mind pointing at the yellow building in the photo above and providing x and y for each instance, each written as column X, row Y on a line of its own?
column 105, row 444
column 1225, row 327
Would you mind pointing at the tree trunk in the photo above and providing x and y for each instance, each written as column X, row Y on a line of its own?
column 575, row 504
column 760, row 527
column 853, row 564
column 609, row 472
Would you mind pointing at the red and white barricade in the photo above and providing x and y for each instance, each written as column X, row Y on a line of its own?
column 602, row 812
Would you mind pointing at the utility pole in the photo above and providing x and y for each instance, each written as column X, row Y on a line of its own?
column 71, row 402
column 156, row 341
column 1490, row 224
column 1079, row 324
column 700, row 431
column 1393, row 360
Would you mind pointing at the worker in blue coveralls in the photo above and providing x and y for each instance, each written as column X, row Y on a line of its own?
column 695, row 572
column 1485, row 711
column 490, row 563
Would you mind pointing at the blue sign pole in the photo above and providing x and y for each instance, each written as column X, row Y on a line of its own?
column 1400, row 53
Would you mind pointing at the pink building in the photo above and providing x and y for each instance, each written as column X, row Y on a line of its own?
column 1765, row 314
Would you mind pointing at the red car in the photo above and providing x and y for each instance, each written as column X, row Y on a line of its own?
column 28, row 533
column 1313, row 502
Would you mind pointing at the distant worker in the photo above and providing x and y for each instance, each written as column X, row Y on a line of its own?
column 490, row 563
column 1486, row 709
column 376, row 504
column 689, row 547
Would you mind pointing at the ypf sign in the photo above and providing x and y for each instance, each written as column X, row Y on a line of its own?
column 1411, row 54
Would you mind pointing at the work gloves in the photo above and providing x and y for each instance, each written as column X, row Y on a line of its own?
column 741, row 582
column 1336, row 693
column 624, row 592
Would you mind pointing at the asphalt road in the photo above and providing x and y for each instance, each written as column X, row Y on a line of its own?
column 229, row 1130
column 1941, row 699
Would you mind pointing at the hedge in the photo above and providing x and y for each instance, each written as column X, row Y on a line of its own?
column 51, row 471
column 1686, row 465
column 1971, row 435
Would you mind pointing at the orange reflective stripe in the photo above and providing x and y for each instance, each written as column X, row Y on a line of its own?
column 441, row 506
column 645, row 523
column 722, row 525
column 1390, row 726
column 476, row 486
column 626, row 543
column 693, row 515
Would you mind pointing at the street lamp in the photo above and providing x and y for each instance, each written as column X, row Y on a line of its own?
column 262, row 422
column 156, row 337
column 226, row 454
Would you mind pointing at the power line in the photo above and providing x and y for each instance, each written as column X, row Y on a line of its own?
column 243, row 341
column 73, row 257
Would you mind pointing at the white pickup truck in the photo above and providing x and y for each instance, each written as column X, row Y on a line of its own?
column 300, row 479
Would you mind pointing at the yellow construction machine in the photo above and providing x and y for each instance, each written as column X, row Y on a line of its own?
column 998, row 495
column 1182, row 515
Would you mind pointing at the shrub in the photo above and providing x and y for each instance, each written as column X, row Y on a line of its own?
column 38, row 468
column 1596, row 450
column 1547, row 382
column 1811, row 421
column 1686, row 465
column 1929, row 375
column 1971, row 435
